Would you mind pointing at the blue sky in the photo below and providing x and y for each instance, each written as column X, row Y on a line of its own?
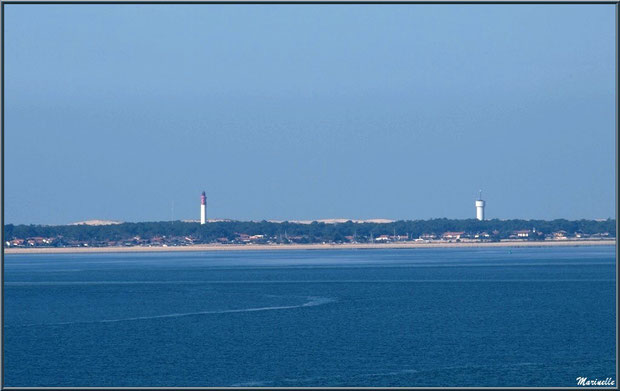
column 308, row 111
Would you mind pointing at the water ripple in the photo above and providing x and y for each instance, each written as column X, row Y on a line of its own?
column 313, row 301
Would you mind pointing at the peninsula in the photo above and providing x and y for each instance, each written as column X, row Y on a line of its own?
column 269, row 235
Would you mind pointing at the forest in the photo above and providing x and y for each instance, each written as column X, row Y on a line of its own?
column 285, row 232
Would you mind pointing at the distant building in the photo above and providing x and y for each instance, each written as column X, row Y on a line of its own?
column 480, row 207
column 17, row 242
column 559, row 235
column 157, row 239
column 452, row 235
column 243, row 237
column 523, row 233
column 38, row 240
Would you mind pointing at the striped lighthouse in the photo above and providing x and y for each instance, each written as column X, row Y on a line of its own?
column 203, row 208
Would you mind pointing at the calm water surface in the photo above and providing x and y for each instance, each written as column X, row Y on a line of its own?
column 419, row 317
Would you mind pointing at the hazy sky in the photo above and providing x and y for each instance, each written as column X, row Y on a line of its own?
column 308, row 111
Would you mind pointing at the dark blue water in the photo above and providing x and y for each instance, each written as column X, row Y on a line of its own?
column 421, row 317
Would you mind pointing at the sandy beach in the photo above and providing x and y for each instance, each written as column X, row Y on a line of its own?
column 344, row 246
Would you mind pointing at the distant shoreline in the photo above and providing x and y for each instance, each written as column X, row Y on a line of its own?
column 344, row 246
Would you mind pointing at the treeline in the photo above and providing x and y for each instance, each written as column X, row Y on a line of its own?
column 310, row 233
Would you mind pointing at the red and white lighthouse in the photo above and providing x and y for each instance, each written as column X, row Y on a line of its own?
column 203, row 208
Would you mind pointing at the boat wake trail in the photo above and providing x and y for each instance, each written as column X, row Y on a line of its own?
column 313, row 301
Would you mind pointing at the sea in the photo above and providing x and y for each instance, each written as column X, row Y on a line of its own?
column 450, row 317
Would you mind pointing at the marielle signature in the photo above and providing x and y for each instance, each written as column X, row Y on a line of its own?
column 583, row 381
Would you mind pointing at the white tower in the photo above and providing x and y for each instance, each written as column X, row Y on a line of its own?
column 480, row 207
column 203, row 208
